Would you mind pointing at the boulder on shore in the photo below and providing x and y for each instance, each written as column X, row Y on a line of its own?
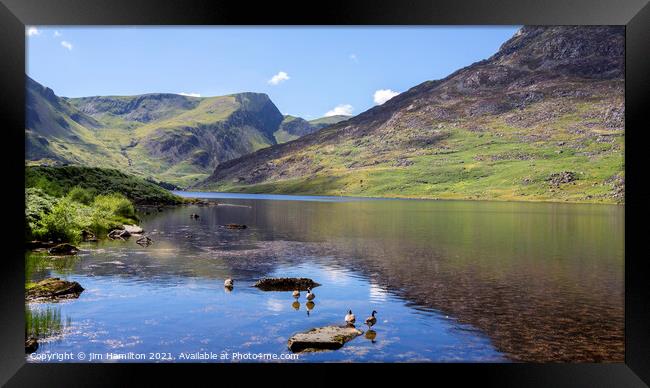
column 285, row 284
column 133, row 229
column 54, row 288
column 64, row 249
column 31, row 345
column 323, row 338
column 119, row 234
column 88, row 236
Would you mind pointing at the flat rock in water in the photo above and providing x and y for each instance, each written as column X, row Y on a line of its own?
column 323, row 338
column 133, row 229
column 235, row 226
column 54, row 288
column 64, row 249
column 285, row 284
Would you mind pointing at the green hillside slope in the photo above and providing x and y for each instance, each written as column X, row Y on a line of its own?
column 169, row 137
column 542, row 119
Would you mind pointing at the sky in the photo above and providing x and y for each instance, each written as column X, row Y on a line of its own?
column 307, row 71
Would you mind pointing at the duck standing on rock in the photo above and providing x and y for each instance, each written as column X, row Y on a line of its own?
column 228, row 283
column 371, row 320
column 310, row 295
column 350, row 318
column 296, row 294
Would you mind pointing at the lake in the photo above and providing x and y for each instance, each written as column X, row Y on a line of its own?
column 452, row 281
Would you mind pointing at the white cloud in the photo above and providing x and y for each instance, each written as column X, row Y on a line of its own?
column 56, row 34
column 353, row 58
column 66, row 44
column 343, row 109
column 383, row 95
column 190, row 94
column 280, row 77
column 32, row 31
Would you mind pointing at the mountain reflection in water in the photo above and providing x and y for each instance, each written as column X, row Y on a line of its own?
column 451, row 280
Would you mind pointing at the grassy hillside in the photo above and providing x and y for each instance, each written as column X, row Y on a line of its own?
column 293, row 127
column 63, row 203
column 59, row 181
column 328, row 120
column 465, row 163
column 167, row 137
column 542, row 120
column 57, row 132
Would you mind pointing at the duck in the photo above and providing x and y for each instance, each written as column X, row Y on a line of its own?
column 310, row 295
column 296, row 294
column 371, row 320
column 350, row 318
column 229, row 283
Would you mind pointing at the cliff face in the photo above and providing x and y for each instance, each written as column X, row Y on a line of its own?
column 550, row 94
column 171, row 137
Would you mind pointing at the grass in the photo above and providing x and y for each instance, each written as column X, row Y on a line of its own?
column 64, row 219
column 501, row 162
column 61, row 202
column 59, row 181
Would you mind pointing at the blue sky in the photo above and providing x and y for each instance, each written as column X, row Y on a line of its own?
column 307, row 71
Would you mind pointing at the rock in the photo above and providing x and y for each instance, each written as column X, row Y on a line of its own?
column 54, row 288
column 120, row 234
column 235, row 226
column 88, row 236
column 31, row 345
column 285, row 284
column 323, row 338
column 133, row 229
column 562, row 177
column 194, row 216
column 144, row 241
column 64, row 249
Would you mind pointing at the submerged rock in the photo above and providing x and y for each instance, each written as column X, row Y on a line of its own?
column 64, row 249
column 285, row 284
column 323, row 338
column 133, row 229
column 235, row 226
column 54, row 288
column 144, row 241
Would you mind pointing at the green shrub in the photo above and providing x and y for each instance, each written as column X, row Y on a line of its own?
column 37, row 203
column 82, row 195
column 115, row 204
column 64, row 222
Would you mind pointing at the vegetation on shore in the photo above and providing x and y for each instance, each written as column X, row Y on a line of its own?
column 62, row 202
column 59, row 181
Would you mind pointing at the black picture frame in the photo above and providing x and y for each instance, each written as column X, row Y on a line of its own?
column 634, row 14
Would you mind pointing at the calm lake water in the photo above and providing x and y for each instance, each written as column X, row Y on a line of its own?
column 450, row 280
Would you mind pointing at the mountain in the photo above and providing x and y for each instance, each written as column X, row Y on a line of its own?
column 542, row 119
column 293, row 127
column 169, row 137
column 56, row 131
